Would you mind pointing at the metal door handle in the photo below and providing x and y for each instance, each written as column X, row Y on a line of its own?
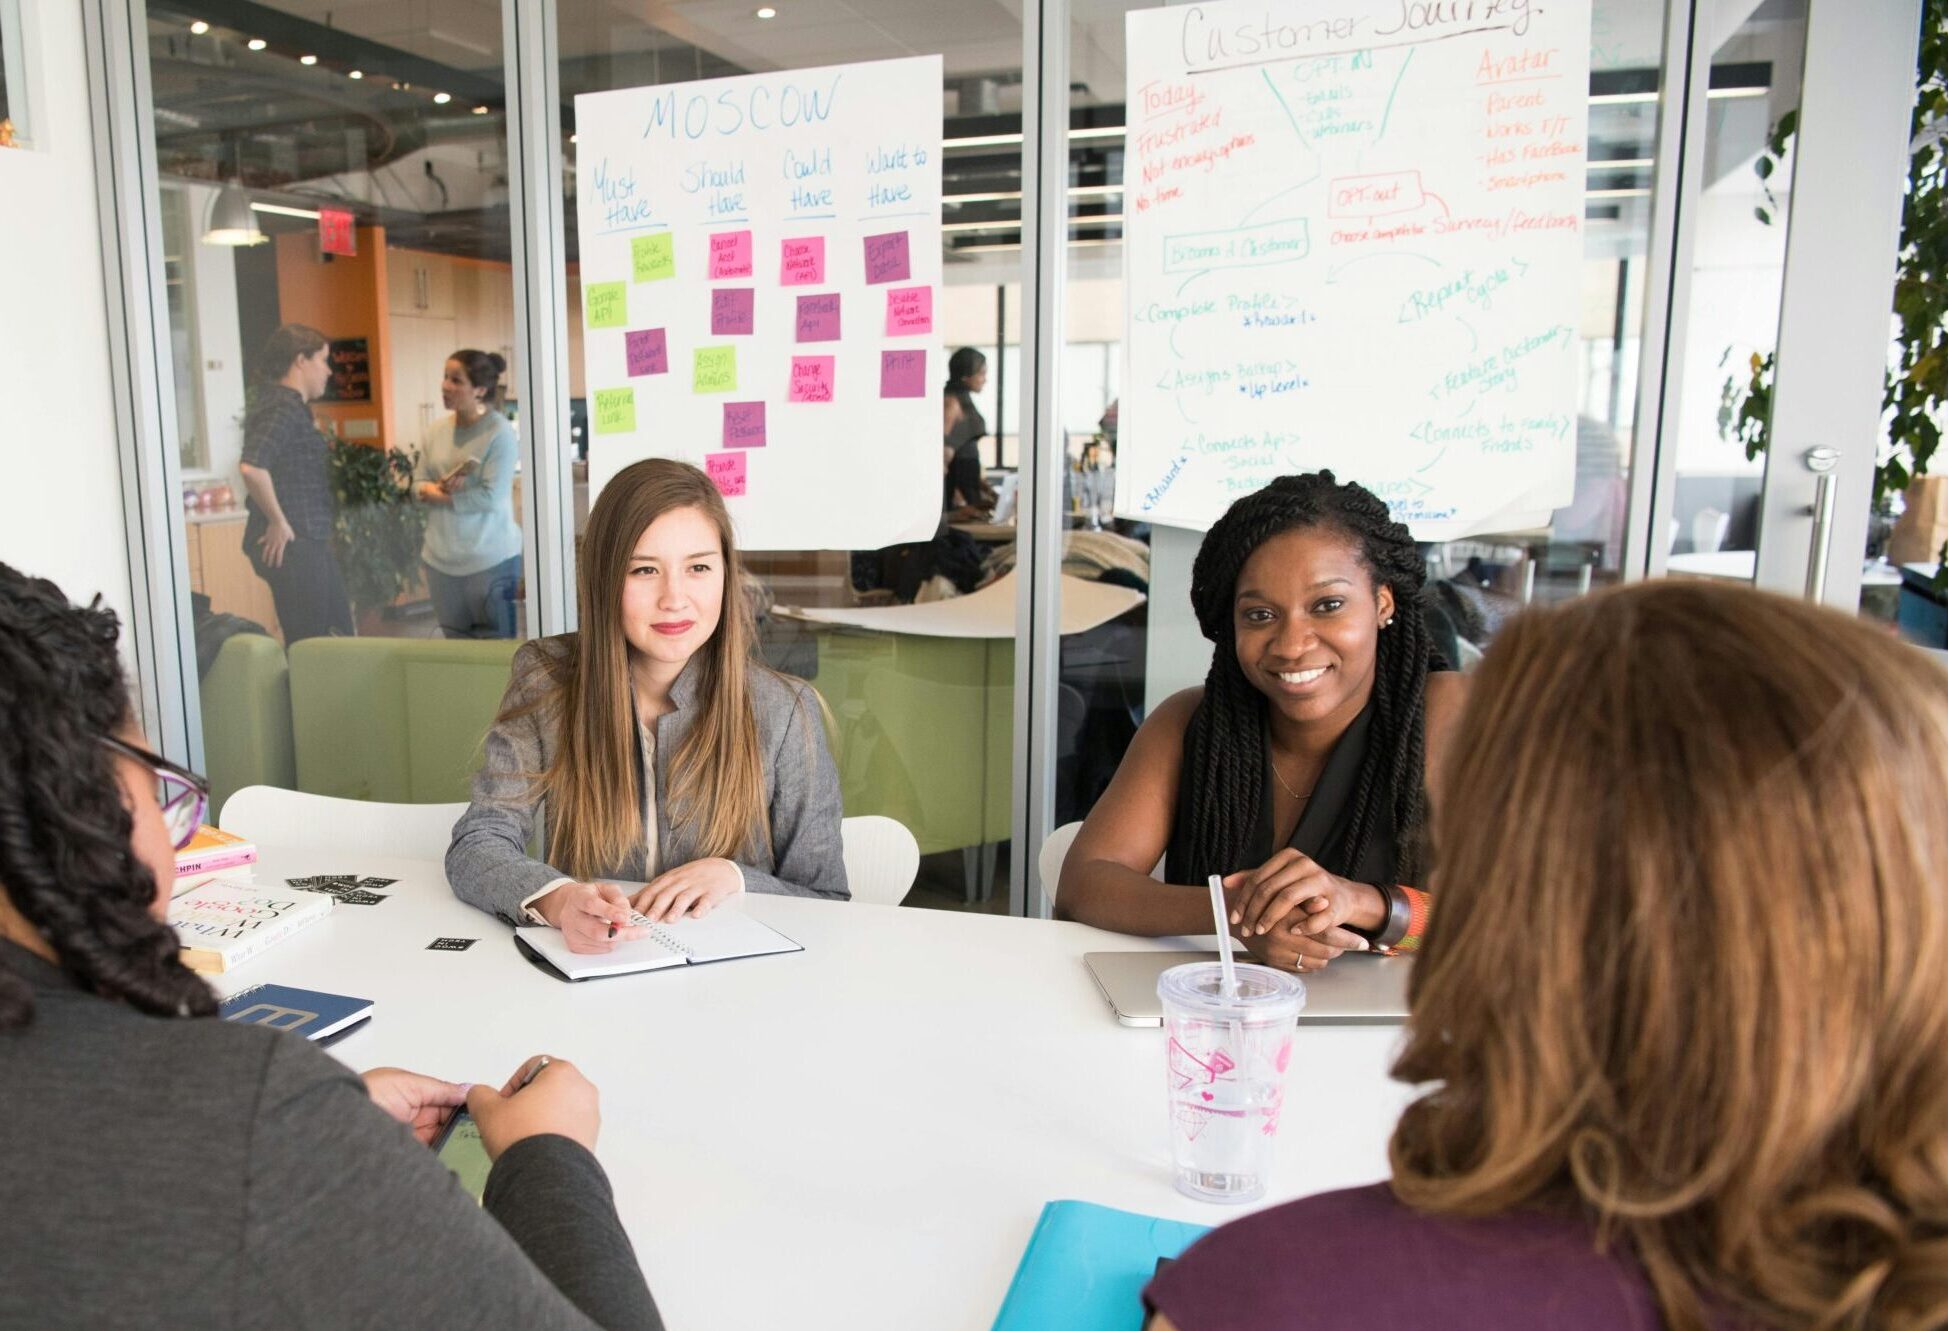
column 1821, row 461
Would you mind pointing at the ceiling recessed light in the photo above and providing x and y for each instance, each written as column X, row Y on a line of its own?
column 480, row 110
column 307, row 60
column 256, row 43
column 767, row 12
column 356, row 74
column 199, row 27
column 442, row 98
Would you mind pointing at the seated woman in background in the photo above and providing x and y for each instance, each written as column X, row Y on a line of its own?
column 1297, row 771
column 655, row 744
column 466, row 478
column 166, row 1168
column 1681, row 1007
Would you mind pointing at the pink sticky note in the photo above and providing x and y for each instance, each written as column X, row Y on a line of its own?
column 802, row 262
column 902, row 374
column 909, row 310
column 744, row 425
column 818, row 318
column 649, row 351
column 726, row 471
column 730, row 254
column 811, row 379
column 731, row 310
column 886, row 258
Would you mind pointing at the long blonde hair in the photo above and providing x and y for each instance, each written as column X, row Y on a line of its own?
column 1688, row 971
column 716, row 776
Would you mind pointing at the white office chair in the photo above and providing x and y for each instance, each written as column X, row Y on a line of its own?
column 1055, row 850
column 293, row 820
column 1708, row 530
column 881, row 858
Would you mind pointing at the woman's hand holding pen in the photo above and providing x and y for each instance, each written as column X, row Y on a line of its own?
column 546, row 1095
column 592, row 917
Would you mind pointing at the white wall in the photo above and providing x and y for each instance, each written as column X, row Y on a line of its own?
column 60, row 496
column 212, row 274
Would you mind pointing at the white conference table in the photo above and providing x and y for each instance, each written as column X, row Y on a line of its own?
column 859, row 1135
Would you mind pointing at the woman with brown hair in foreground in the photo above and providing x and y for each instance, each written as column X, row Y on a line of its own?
column 1683, row 1007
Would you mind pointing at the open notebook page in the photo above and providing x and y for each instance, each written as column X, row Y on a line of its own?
column 723, row 935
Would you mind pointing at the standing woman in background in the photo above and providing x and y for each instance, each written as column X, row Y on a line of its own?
column 964, row 428
column 466, row 478
column 287, row 472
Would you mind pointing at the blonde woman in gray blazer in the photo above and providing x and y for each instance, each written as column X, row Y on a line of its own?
column 651, row 746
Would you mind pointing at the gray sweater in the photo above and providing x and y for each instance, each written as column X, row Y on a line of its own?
column 174, row 1173
column 488, row 862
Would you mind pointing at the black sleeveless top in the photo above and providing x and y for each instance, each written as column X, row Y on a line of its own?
column 1322, row 829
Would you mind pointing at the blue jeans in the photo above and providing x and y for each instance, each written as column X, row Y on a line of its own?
column 476, row 605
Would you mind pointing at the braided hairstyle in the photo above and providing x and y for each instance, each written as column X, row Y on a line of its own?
column 1224, row 746
column 65, row 857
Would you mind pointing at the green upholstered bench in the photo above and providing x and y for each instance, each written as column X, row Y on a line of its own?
column 394, row 719
column 246, row 718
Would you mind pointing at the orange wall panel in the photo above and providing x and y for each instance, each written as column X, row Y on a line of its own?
column 342, row 297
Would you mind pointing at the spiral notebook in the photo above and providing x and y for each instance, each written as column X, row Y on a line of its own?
column 726, row 934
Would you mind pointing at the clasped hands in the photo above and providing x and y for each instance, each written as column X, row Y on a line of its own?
column 594, row 917
column 1292, row 914
column 557, row 1099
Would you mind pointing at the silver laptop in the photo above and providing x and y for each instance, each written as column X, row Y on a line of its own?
column 1356, row 990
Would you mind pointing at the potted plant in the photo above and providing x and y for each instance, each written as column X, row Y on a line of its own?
column 379, row 529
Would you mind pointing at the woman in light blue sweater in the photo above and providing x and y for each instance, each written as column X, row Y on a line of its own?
column 466, row 476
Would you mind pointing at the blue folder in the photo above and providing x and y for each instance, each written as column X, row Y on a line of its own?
column 1086, row 1266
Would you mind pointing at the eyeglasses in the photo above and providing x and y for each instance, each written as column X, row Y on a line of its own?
column 183, row 796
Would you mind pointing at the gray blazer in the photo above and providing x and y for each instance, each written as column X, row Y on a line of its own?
column 488, row 862
column 169, row 1172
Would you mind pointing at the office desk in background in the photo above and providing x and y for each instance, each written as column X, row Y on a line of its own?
column 860, row 1135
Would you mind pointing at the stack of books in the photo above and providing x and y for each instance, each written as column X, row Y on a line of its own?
column 214, row 856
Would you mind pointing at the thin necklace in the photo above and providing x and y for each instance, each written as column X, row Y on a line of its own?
column 1281, row 781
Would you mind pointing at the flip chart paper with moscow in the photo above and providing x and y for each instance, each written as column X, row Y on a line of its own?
column 740, row 235
column 1354, row 239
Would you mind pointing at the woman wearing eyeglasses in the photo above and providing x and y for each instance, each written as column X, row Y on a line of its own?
column 169, row 1169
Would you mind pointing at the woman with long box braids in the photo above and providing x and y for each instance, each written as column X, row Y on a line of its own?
column 1298, row 772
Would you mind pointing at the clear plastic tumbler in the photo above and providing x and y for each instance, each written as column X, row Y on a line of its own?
column 1226, row 1067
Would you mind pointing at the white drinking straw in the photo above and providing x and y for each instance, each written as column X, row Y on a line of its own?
column 1224, row 937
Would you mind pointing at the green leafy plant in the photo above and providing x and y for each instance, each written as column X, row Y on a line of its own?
column 380, row 528
column 1916, row 396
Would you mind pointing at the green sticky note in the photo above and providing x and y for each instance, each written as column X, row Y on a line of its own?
column 655, row 256
column 716, row 370
column 615, row 410
column 608, row 304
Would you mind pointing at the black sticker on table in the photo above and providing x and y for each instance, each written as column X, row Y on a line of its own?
column 451, row 944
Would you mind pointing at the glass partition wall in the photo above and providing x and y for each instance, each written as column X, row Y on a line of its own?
column 346, row 166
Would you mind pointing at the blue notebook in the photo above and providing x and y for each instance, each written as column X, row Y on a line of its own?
column 1086, row 1267
column 314, row 1015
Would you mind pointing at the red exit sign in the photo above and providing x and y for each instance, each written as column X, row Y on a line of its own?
column 335, row 232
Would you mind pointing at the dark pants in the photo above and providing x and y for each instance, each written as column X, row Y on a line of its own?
column 476, row 605
column 308, row 589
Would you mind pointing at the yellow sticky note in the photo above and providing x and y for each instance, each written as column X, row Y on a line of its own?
column 615, row 410
column 608, row 304
column 716, row 370
column 655, row 256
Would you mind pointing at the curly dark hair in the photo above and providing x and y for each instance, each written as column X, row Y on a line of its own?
column 65, row 857
column 1224, row 745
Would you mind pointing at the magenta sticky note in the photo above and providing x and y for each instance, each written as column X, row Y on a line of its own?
column 649, row 351
column 811, row 379
column 818, row 318
column 726, row 471
column 730, row 254
column 887, row 259
column 744, row 425
column 902, row 374
column 909, row 310
column 802, row 262
column 731, row 310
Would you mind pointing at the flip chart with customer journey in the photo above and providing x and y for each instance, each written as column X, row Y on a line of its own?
column 1354, row 239
column 759, row 258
